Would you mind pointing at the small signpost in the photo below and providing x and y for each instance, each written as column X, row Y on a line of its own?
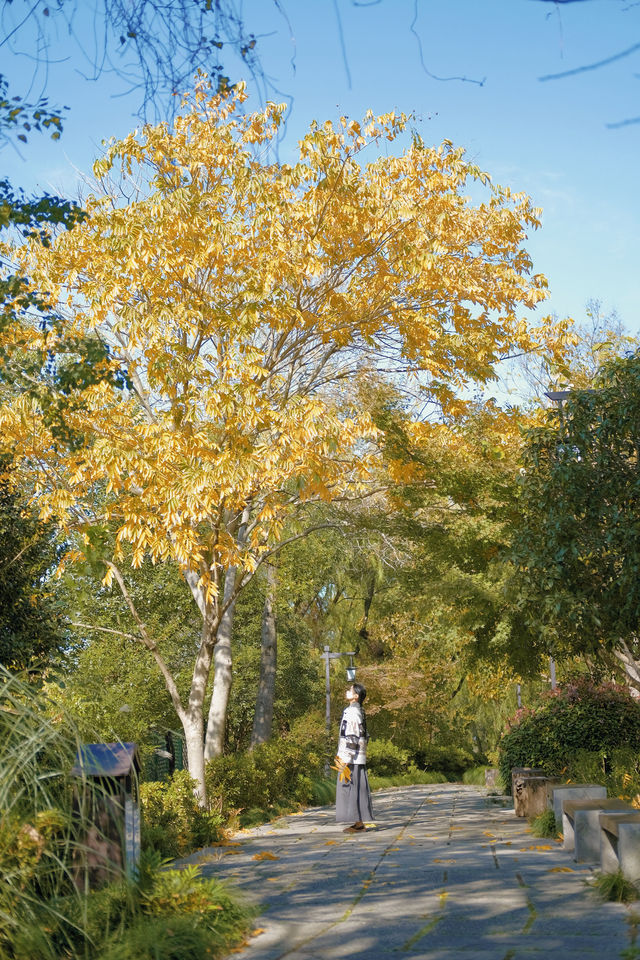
column 110, row 808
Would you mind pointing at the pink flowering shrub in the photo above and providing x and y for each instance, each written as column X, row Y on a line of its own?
column 573, row 719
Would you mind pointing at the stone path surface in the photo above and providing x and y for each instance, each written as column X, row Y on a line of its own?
column 448, row 872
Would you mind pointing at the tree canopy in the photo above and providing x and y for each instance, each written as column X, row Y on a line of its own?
column 240, row 310
column 578, row 549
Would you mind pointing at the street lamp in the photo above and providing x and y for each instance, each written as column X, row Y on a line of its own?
column 351, row 670
column 327, row 656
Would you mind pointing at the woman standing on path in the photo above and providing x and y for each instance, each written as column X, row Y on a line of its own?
column 353, row 797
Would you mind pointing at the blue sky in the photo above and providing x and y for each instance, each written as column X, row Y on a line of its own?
column 549, row 138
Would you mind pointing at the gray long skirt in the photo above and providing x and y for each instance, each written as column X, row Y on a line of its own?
column 353, row 799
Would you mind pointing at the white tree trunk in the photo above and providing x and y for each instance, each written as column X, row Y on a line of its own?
column 631, row 666
column 263, row 719
column 222, row 671
column 192, row 724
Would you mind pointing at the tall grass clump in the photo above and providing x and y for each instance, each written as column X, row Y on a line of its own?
column 47, row 911
column 40, row 839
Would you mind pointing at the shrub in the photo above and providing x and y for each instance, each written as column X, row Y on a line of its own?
column 162, row 938
column 385, row 759
column 273, row 775
column 207, row 901
column 409, row 779
column 617, row 770
column 574, row 718
column 323, row 791
column 173, row 823
column 449, row 760
column 43, row 916
column 124, row 920
column 476, row 777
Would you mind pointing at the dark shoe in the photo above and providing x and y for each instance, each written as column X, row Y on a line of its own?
column 353, row 829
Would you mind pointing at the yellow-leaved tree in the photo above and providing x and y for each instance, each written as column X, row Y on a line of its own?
column 234, row 305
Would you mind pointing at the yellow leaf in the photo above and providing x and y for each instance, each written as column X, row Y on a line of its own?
column 265, row 855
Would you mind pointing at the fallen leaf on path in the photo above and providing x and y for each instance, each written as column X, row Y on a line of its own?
column 257, row 932
column 330, row 843
column 438, row 860
column 537, row 846
column 561, row 870
column 265, row 855
column 485, row 833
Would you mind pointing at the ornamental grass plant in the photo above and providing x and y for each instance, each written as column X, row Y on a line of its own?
column 45, row 911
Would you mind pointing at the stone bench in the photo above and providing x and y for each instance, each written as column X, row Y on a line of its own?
column 518, row 772
column 575, row 791
column 620, row 844
column 532, row 794
column 581, row 826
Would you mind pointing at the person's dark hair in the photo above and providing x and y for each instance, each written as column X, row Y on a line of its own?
column 361, row 691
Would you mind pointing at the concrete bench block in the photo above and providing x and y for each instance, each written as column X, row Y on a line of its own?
column 575, row 791
column 581, row 825
column 532, row 794
column 491, row 775
column 620, row 844
column 517, row 772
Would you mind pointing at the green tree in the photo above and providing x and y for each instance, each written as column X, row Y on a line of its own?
column 109, row 683
column 577, row 545
column 30, row 627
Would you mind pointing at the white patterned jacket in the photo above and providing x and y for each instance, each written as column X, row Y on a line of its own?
column 352, row 745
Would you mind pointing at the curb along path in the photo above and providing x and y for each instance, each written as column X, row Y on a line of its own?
column 445, row 874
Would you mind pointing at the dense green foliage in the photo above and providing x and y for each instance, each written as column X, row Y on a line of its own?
column 29, row 620
column 384, row 758
column 409, row 779
column 576, row 717
column 278, row 772
column 173, row 821
column 577, row 547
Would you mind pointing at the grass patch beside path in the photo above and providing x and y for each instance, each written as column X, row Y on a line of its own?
column 417, row 777
column 324, row 795
column 544, row 825
column 615, row 887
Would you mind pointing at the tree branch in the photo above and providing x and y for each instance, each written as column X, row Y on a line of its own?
column 146, row 641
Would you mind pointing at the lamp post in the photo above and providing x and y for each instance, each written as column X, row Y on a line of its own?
column 327, row 656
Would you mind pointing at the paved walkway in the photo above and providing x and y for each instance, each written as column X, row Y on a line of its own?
column 447, row 873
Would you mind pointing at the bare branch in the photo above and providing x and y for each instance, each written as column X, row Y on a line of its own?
column 146, row 641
